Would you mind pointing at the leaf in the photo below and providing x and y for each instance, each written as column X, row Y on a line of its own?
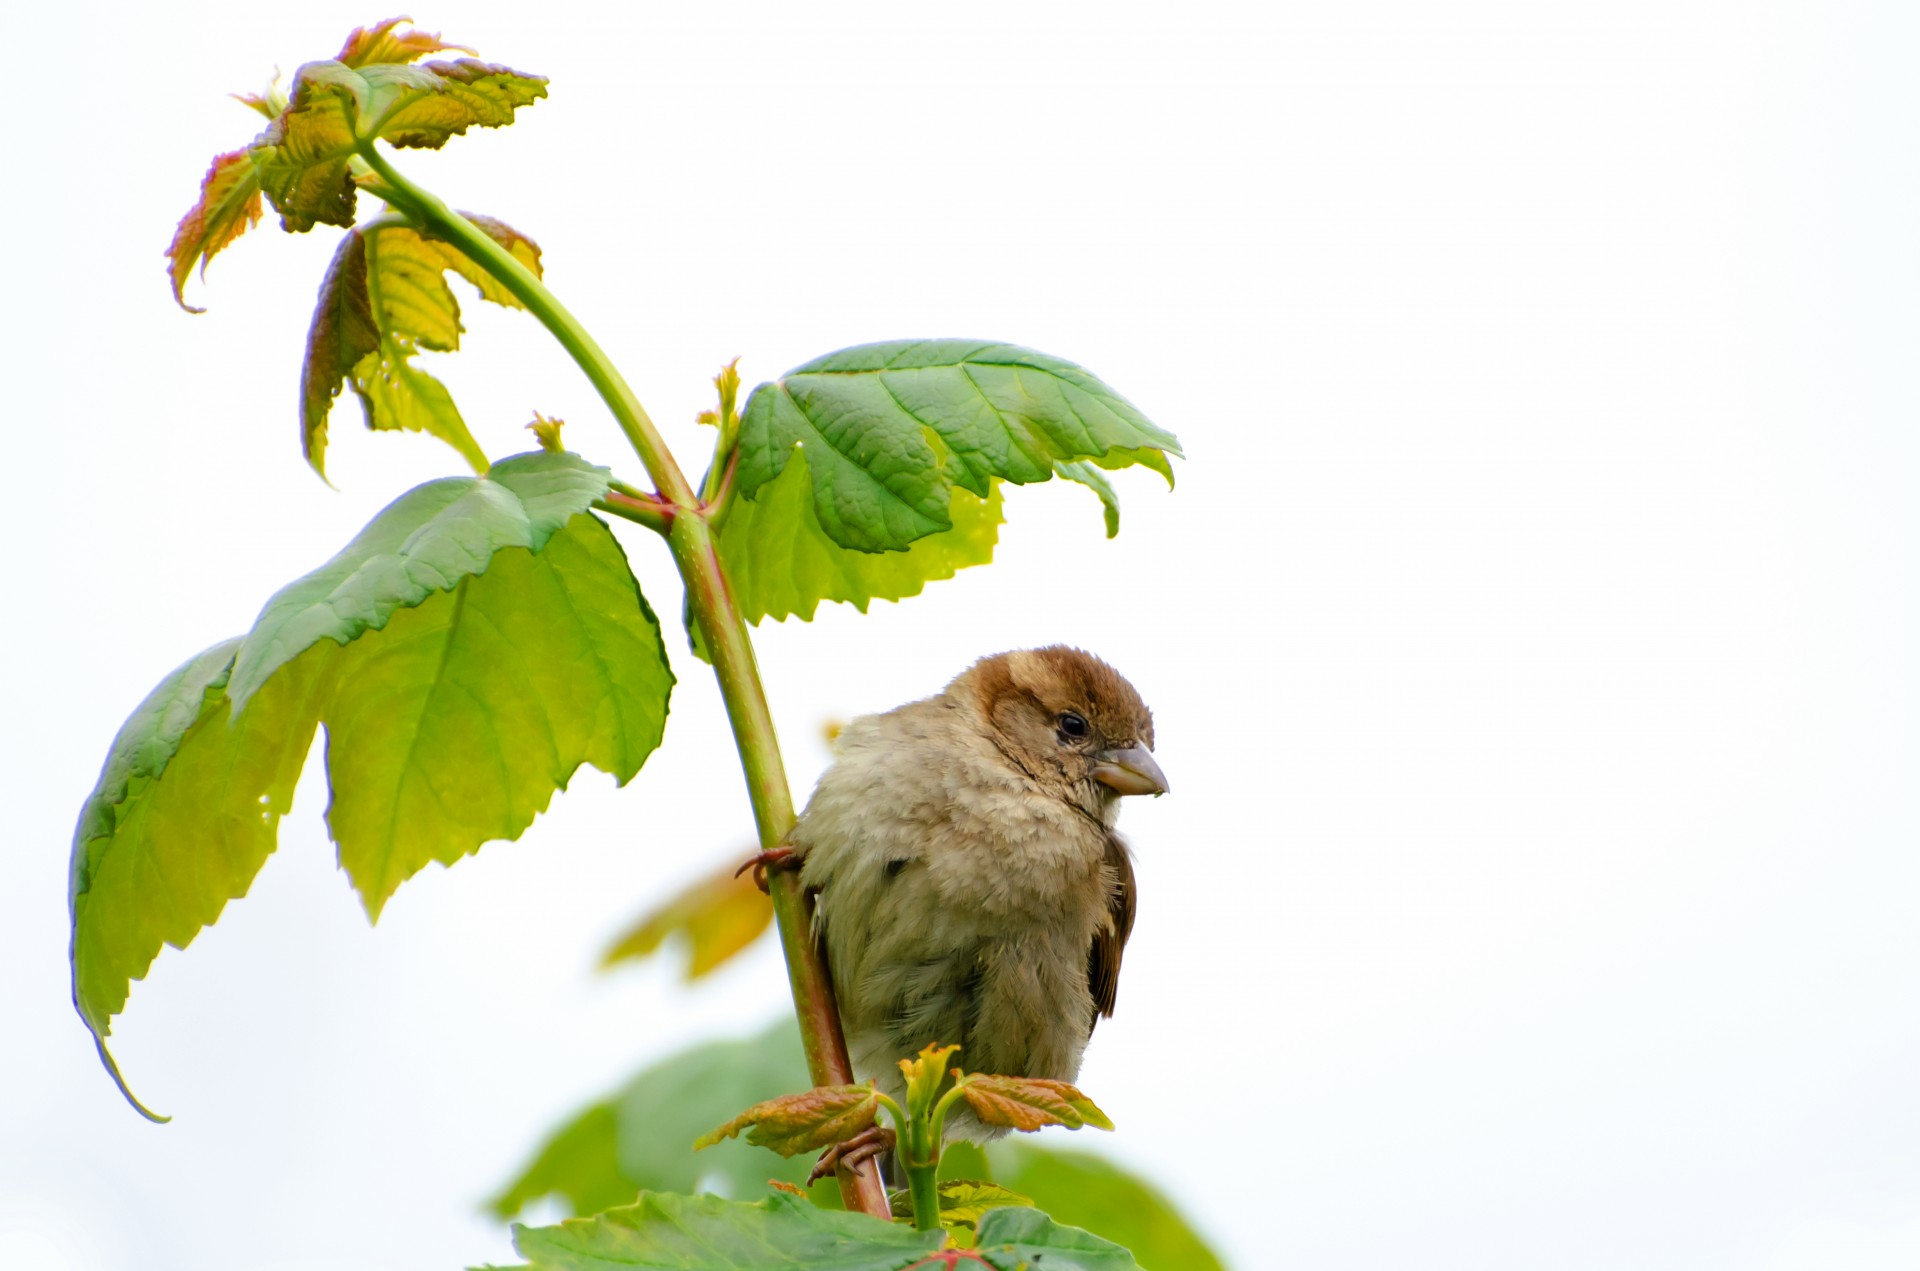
column 889, row 429
column 658, row 1113
column 719, row 915
column 963, row 1201
column 581, row 1162
column 804, row 1122
column 476, row 644
column 229, row 206
column 705, row 1233
column 1091, row 477
column 425, row 541
column 385, row 297
column 1028, row 1103
column 381, row 43
column 184, row 815
column 925, row 1073
column 1092, row 1192
column 781, row 562
column 1027, row 1239
column 303, row 159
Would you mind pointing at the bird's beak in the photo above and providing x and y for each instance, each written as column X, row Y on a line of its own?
column 1130, row 771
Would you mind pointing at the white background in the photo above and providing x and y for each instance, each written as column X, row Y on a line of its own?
column 1532, row 635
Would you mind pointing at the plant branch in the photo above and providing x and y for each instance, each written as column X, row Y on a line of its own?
column 691, row 540
column 690, row 537
column 431, row 213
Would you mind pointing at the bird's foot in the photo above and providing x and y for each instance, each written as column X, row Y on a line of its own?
column 772, row 858
column 863, row 1146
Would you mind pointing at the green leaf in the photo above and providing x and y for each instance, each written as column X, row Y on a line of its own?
column 581, row 1163
column 474, row 645
column 781, row 562
column 1026, row 1239
column 1091, row 477
column 386, row 297
column 303, row 159
column 229, row 205
column 1092, row 1192
column 425, row 541
column 963, row 1201
column 890, row 429
column 658, row 1113
column 804, row 1122
column 706, row 1233
column 183, row 817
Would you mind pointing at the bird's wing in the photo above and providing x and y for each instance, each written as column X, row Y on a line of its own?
column 1110, row 939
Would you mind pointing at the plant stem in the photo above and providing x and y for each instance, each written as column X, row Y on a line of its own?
column 690, row 537
column 427, row 209
column 923, row 1185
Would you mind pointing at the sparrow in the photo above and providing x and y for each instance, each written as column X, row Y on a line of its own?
column 968, row 885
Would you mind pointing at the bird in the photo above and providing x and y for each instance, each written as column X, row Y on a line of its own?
column 968, row 885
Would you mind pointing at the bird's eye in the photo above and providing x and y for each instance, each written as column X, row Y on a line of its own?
column 1072, row 725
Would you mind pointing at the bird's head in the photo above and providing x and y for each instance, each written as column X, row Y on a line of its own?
column 1072, row 722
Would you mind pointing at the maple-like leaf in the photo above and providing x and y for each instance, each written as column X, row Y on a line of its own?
column 1028, row 1103
column 804, row 1122
column 229, row 205
column 383, row 42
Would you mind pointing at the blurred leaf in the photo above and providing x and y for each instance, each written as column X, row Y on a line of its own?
column 890, row 429
column 467, row 652
column 229, row 205
column 1092, row 1192
column 303, row 158
column 581, row 1163
column 1029, row 1240
column 1028, row 1103
column 705, row 1233
column 385, row 298
column 805, row 1122
column 660, row 1112
column 719, row 916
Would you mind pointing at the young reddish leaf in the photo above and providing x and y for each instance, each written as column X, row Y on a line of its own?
column 370, row 45
column 304, row 155
column 1027, row 1103
column 719, row 915
column 385, row 298
column 341, row 335
column 804, row 1122
column 229, row 205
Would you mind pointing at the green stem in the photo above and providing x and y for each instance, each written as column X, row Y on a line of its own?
column 923, row 1185
column 690, row 537
column 426, row 208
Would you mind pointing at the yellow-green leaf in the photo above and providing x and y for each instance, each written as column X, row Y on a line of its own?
column 718, row 916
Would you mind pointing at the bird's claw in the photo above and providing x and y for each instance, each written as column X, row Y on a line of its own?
column 772, row 858
column 863, row 1146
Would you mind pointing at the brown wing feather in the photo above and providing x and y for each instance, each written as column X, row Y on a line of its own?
column 1110, row 940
